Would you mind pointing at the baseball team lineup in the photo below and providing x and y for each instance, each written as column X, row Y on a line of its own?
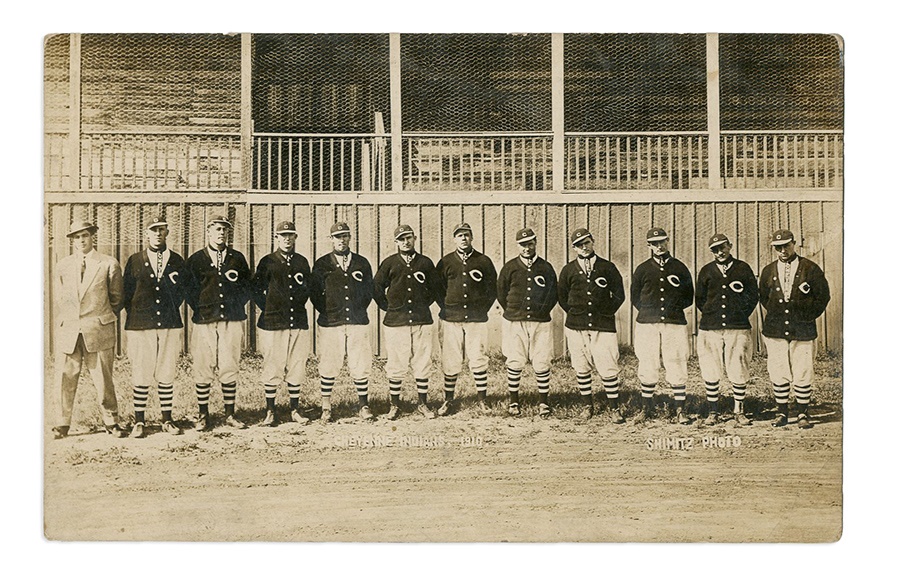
column 91, row 289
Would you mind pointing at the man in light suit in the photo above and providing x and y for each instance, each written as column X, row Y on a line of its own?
column 88, row 290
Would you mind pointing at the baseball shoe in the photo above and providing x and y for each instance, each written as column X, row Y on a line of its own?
column 643, row 416
column 711, row 419
column 425, row 411
column 326, row 415
column 115, row 431
column 61, row 432
column 137, row 432
column 682, row 418
column 617, row 417
column 544, row 411
column 202, row 423
column 447, row 408
column 393, row 413
column 514, row 409
column 586, row 412
column 483, row 407
column 232, row 422
column 269, row 421
column 780, row 420
column 171, row 428
column 741, row 420
column 296, row 417
column 803, row 421
column 365, row 414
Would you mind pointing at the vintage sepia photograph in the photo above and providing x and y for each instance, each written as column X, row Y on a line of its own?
column 443, row 287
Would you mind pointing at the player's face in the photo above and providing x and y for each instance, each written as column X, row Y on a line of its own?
column 722, row 252
column 83, row 241
column 406, row 242
column 156, row 236
column 217, row 234
column 286, row 242
column 585, row 247
column 528, row 249
column 341, row 242
column 659, row 248
column 785, row 251
column 463, row 241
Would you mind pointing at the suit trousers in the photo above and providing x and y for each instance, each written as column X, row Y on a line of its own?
column 99, row 364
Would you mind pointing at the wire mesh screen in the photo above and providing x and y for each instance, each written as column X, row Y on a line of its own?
column 147, row 82
column 476, row 82
column 635, row 82
column 780, row 82
column 56, row 111
column 320, row 83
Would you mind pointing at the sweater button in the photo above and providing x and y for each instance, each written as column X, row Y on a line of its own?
column 159, row 324
column 662, row 317
column 465, row 274
column 157, row 288
column 220, row 284
column 158, row 312
column 465, row 305
column 221, row 316
column 157, row 300
column 787, row 333
column 348, row 310
column 723, row 324
column 590, row 313
column 291, row 298
column 589, row 292
column 221, row 296
column 723, row 316
column 409, row 301
column 723, row 306
column 346, row 298
column 787, row 321
column 787, row 311
column 345, row 287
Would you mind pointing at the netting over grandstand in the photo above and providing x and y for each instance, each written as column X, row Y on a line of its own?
column 635, row 82
column 320, row 83
column 780, row 82
column 476, row 82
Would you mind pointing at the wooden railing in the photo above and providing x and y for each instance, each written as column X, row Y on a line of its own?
column 320, row 162
column 603, row 161
column 782, row 159
column 160, row 161
column 56, row 174
column 477, row 161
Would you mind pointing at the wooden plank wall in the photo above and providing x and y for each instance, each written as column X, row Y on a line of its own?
column 619, row 231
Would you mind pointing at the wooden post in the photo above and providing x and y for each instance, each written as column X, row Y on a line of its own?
column 559, row 112
column 246, row 111
column 72, row 156
column 712, row 109
column 396, row 117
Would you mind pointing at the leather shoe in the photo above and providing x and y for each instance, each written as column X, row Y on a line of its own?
column 137, row 432
column 202, row 423
column 711, row 419
column 269, row 421
column 741, row 420
column 514, row 409
column 803, row 421
column 682, row 418
column 366, row 414
column 326, row 415
column 171, row 428
column 617, row 417
column 296, row 417
column 780, row 420
column 425, row 411
column 447, row 408
column 544, row 411
column 393, row 413
column 115, row 431
column 586, row 412
column 232, row 422
column 61, row 432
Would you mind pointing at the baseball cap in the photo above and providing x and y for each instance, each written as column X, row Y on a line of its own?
column 580, row 234
column 80, row 226
column 285, row 227
column 156, row 221
column 657, row 235
column 218, row 219
column 340, row 228
column 402, row 230
column 782, row 237
column 717, row 240
column 525, row 235
column 462, row 227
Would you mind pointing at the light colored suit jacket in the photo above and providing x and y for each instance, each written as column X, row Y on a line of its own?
column 89, row 306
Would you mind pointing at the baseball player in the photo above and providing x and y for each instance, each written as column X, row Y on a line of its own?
column 591, row 291
column 727, row 294
column 661, row 289
column 218, row 291
column 526, row 289
column 467, row 289
column 405, row 288
column 341, row 292
column 280, row 290
column 794, row 292
column 154, row 279
column 88, row 287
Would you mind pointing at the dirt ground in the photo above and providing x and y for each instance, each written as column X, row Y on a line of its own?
column 468, row 477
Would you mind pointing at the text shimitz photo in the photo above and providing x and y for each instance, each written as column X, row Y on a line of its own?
column 443, row 287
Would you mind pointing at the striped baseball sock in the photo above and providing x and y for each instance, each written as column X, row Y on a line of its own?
column 422, row 390
column 647, row 396
column 202, row 398
column 362, row 391
column 394, row 386
column 739, row 391
column 679, row 393
column 782, row 393
column 543, row 384
column 229, row 396
column 611, row 386
column 584, row 384
column 166, row 394
column 712, row 392
column 294, row 395
column 512, row 380
column 325, row 386
column 140, row 402
column 803, row 394
column 450, row 386
column 481, row 381
column 270, row 397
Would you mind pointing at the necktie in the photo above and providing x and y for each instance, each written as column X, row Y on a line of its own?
column 83, row 267
column 159, row 265
column 586, row 266
column 219, row 260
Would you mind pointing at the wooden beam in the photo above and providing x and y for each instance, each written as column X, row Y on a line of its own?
column 246, row 110
column 712, row 109
column 396, row 116
column 72, row 156
column 557, row 90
